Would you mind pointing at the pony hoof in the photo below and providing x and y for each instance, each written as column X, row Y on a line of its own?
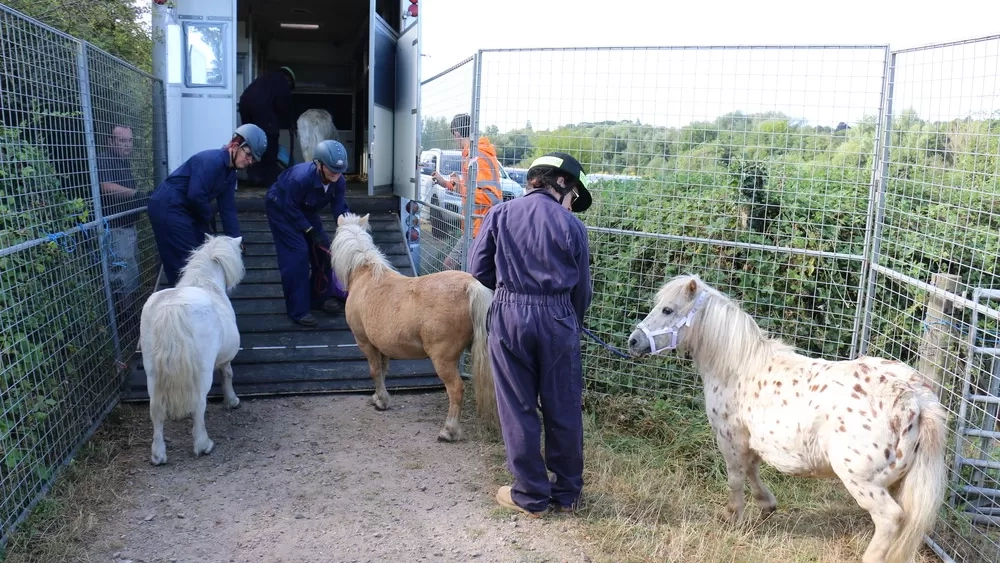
column 234, row 403
column 205, row 448
column 380, row 404
column 729, row 516
column 448, row 436
column 158, row 458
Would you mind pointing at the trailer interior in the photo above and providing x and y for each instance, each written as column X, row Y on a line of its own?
column 326, row 43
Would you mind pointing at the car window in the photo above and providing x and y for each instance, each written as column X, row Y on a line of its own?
column 451, row 164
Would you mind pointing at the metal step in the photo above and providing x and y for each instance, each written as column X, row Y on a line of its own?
column 278, row 356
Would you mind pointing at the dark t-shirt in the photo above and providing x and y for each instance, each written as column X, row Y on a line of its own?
column 115, row 169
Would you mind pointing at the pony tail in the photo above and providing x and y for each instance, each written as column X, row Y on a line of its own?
column 480, row 299
column 923, row 488
column 171, row 351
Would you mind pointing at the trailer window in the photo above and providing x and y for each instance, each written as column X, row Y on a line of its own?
column 205, row 59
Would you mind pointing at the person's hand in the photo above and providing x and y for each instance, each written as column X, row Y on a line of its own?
column 450, row 263
column 316, row 238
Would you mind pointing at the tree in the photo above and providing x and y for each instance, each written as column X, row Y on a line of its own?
column 115, row 26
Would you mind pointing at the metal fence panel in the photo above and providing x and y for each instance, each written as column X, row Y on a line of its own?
column 444, row 212
column 750, row 166
column 60, row 350
column 935, row 302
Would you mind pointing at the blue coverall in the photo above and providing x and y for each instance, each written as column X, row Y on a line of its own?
column 292, row 205
column 181, row 208
column 535, row 255
column 267, row 103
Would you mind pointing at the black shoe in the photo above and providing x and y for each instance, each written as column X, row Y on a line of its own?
column 332, row 306
column 307, row 320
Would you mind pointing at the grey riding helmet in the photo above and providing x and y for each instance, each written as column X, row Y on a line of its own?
column 331, row 154
column 253, row 137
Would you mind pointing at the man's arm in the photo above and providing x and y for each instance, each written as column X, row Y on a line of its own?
column 227, row 211
column 482, row 254
column 582, row 293
column 106, row 177
column 199, row 192
column 289, row 198
column 338, row 205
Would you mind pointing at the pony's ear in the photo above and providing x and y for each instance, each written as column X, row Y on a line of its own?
column 692, row 288
column 208, row 237
column 340, row 220
column 364, row 220
column 238, row 240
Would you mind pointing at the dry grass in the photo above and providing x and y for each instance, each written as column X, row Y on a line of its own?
column 92, row 487
column 655, row 485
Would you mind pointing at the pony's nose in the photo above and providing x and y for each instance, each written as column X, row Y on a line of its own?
column 632, row 342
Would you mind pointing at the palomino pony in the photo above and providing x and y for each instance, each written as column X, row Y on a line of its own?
column 876, row 424
column 188, row 332
column 395, row 316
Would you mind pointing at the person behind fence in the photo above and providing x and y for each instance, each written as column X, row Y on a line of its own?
column 181, row 209
column 120, row 195
column 488, row 190
column 267, row 103
column 292, row 206
column 534, row 253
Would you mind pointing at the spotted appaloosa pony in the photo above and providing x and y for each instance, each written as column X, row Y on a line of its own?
column 395, row 316
column 876, row 424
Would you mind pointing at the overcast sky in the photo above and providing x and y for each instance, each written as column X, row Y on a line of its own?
column 822, row 86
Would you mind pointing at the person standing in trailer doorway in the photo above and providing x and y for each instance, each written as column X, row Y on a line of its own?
column 533, row 252
column 180, row 209
column 292, row 206
column 488, row 191
column 267, row 103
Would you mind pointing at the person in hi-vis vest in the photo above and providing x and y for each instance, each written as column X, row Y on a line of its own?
column 488, row 192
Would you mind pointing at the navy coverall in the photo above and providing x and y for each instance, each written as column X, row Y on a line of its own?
column 535, row 255
column 267, row 103
column 292, row 205
column 181, row 209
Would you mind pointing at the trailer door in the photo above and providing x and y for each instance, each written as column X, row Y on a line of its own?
column 405, row 176
column 207, row 85
column 381, row 103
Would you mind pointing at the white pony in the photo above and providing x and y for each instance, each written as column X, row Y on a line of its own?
column 314, row 126
column 876, row 424
column 188, row 332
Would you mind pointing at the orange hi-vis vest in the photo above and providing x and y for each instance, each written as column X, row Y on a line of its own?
column 488, row 192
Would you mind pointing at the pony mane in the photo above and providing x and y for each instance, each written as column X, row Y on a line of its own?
column 723, row 338
column 215, row 252
column 353, row 248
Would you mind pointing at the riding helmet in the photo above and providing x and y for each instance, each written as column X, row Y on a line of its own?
column 253, row 137
column 332, row 154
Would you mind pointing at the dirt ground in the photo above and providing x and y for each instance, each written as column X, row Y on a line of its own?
column 318, row 478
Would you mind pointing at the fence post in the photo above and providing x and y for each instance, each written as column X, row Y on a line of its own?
column 95, row 190
column 876, row 214
column 159, row 136
column 471, row 174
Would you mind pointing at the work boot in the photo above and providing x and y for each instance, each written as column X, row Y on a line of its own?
column 504, row 499
column 332, row 306
column 307, row 320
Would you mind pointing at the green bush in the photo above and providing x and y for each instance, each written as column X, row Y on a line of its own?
column 55, row 343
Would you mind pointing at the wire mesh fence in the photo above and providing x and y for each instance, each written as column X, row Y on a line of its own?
column 846, row 195
column 935, row 290
column 735, row 163
column 64, row 263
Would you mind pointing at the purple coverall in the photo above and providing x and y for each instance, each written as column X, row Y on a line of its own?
column 535, row 255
